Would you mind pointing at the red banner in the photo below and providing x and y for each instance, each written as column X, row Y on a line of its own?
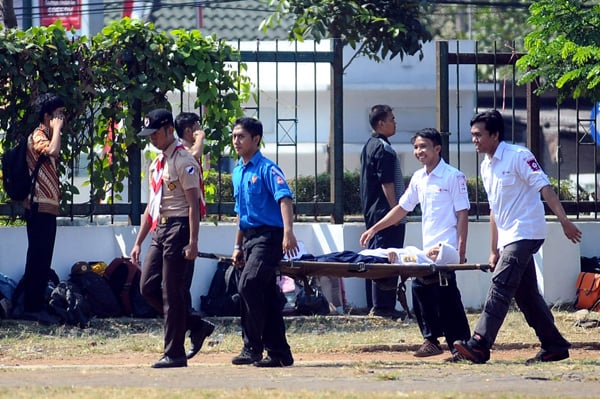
column 69, row 11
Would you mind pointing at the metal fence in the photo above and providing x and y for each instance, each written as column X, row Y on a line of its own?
column 562, row 136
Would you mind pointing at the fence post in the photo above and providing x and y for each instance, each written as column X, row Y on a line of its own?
column 337, row 147
column 443, row 97
column 135, row 169
column 533, row 122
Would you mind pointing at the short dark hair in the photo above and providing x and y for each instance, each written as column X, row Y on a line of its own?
column 251, row 125
column 47, row 103
column 185, row 120
column 428, row 133
column 378, row 113
column 494, row 123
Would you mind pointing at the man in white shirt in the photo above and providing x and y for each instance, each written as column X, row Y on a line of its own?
column 514, row 180
column 442, row 192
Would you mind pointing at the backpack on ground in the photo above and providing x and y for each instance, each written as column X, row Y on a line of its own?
column 588, row 291
column 96, row 290
column 70, row 305
column 123, row 276
column 18, row 298
column 222, row 298
column 17, row 181
column 310, row 299
column 7, row 289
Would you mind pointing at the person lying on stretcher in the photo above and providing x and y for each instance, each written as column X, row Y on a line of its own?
column 440, row 254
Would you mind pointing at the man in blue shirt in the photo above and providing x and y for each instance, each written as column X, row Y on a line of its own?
column 263, row 204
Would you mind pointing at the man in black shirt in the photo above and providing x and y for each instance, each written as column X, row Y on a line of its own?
column 381, row 185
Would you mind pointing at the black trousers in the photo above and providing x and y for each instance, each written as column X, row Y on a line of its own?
column 440, row 311
column 41, row 235
column 165, row 282
column 392, row 237
column 262, row 322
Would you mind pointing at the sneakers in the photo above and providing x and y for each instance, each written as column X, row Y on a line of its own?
column 456, row 357
column 275, row 361
column 546, row 356
column 247, row 357
column 472, row 351
column 429, row 349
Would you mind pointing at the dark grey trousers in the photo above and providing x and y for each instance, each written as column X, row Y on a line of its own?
column 515, row 277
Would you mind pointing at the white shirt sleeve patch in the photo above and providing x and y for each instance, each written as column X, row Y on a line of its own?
column 462, row 184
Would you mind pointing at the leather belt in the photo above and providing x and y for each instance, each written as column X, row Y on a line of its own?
column 173, row 219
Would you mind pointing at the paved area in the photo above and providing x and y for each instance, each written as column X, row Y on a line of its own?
column 353, row 372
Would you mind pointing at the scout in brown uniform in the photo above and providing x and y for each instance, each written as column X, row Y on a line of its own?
column 173, row 213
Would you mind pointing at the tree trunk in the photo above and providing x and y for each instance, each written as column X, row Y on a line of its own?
column 8, row 14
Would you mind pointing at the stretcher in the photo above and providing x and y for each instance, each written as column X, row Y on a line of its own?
column 374, row 271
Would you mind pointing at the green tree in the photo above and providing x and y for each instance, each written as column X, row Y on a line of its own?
column 376, row 29
column 108, row 83
column 149, row 65
column 498, row 24
column 39, row 60
column 563, row 50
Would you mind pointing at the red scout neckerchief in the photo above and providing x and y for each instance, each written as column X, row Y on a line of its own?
column 156, row 182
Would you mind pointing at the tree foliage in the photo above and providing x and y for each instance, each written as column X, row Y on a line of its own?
column 494, row 26
column 498, row 26
column 376, row 29
column 37, row 61
column 563, row 50
column 108, row 83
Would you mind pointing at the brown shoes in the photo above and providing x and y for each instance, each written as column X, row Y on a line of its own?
column 429, row 349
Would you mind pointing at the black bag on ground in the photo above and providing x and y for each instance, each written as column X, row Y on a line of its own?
column 96, row 290
column 123, row 277
column 222, row 298
column 70, row 305
column 18, row 298
column 590, row 265
column 310, row 300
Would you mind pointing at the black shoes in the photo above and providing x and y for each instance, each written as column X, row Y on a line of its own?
column 275, row 361
column 547, row 356
column 198, row 336
column 472, row 351
column 391, row 314
column 167, row 362
column 246, row 357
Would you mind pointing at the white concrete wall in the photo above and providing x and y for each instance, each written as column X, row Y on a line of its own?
column 558, row 260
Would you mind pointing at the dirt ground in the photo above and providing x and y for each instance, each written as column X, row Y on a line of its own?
column 362, row 370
